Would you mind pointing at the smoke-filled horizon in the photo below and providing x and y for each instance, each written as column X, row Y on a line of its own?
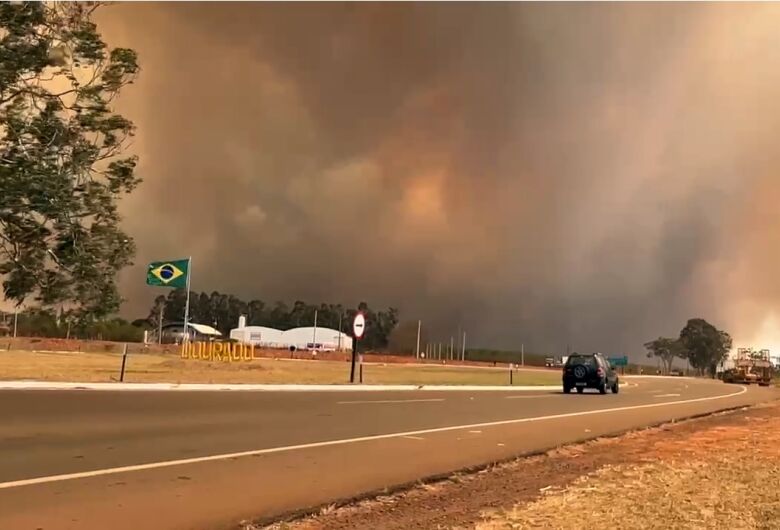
column 584, row 174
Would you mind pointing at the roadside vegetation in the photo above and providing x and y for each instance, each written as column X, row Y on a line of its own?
column 64, row 166
column 727, row 476
column 700, row 343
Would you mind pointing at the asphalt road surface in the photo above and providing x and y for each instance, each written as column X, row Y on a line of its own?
column 202, row 460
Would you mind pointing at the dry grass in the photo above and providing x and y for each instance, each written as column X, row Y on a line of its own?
column 725, row 477
column 94, row 367
column 722, row 492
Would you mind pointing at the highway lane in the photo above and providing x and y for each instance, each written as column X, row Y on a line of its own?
column 51, row 433
column 401, row 436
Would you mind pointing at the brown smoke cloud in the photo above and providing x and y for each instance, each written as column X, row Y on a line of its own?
column 589, row 174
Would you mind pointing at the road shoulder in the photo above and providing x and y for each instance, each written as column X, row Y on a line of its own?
column 733, row 456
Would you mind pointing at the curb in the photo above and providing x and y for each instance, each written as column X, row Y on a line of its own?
column 207, row 387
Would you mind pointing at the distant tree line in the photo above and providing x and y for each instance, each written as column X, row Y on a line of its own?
column 223, row 310
column 703, row 345
column 51, row 323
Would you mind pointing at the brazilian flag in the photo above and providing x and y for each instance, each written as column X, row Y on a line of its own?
column 168, row 273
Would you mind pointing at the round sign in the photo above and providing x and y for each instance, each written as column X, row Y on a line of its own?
column 359, row 325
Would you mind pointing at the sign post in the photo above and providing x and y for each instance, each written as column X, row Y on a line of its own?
column 358, row 329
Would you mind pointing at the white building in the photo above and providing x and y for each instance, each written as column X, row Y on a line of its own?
column 258, row 336
column 307, row 338
column 322, row 339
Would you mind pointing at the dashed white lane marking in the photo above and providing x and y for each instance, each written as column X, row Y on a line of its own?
column 328, row 443
column 475, row 432
column 414, row 437
column 667, row 395
column 529, row 397
column 368, row 401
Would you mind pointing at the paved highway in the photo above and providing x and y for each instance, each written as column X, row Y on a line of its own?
column 200, row 460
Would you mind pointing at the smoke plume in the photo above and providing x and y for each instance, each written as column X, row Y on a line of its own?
column 584, row 174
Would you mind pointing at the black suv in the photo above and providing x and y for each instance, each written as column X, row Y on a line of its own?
column 592, row 370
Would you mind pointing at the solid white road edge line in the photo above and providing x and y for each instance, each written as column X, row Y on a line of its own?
column 272, row 450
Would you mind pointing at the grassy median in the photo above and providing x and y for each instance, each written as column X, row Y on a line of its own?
column 147, row 368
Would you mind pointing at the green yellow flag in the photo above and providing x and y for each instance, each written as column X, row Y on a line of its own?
column 168, row 273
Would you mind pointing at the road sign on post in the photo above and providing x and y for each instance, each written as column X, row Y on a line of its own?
column 358, row 329
column 619, row 361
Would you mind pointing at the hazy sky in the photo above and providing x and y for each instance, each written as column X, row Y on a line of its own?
column 592, row 174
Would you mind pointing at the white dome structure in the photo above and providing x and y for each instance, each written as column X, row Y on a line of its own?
column 322, row 339
column 307, row 338
column 258, row 336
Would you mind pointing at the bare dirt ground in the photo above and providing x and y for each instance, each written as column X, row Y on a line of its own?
column 722, row 471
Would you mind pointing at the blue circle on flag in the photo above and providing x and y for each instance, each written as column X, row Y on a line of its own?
column 166, row 272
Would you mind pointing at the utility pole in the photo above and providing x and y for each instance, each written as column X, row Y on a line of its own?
column 314, row 338
column 457, row 341
column 159, row 324
column 463, row 348
column 16, row 319
column 186, row 336
column 522, row 355
column 452, row 349
column 419, row 325
column 439, row 356
column 340, row 315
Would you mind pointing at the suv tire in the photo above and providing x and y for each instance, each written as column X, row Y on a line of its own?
column 566, row 389
column 580, row 390
column 616, row 388
column 603, row 388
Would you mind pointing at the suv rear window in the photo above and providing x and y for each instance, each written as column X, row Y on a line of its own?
column 587, row 360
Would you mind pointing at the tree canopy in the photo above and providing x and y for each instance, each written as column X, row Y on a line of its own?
column 704, row 345
column 665, row 349
column 62, row 166
column 223, row 310
column 46, row 322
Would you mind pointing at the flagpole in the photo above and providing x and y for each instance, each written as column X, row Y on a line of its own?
column 187, row 304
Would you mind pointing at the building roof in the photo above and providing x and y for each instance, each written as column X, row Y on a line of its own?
column 203, row 329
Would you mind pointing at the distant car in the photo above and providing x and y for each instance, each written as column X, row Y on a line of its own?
column 589, row 371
